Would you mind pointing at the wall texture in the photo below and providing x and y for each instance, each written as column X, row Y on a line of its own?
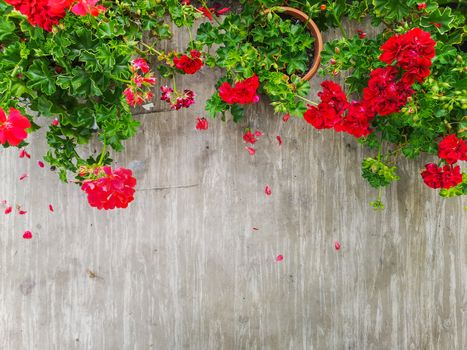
column 182, row 268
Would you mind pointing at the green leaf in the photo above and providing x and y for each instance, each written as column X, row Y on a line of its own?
column 40, row 77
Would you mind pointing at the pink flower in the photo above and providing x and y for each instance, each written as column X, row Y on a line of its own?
column 139, row 63
column 84, row 7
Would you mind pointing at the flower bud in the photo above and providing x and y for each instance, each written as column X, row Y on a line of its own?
column 332, row 61
column 337, row 50
column 323, row 7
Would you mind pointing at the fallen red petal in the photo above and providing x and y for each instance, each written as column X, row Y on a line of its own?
column 255, row 229
column 23, row 154
column 286, row 117
column 279, row 258
column 40, row 163
column 250, row 150
column 258, row 133
column 51, row 208
column 22, row 212
column 8, row 210
column 22, row 177
column 27, row 235
column 267, row 190
column 279, row 139
column 337, row 245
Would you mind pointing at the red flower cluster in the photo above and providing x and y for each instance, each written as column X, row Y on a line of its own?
column 111, row 189
column 336, row 112
column 387, row 91
column 140, row 88
column 13, row 128
column 42, row 13
column 84, row 7
column 385, row 94
column 445, row 177
column 452, row 149
column 243, row 92
column 189, row 65
column 412, row 52
column 177, row 100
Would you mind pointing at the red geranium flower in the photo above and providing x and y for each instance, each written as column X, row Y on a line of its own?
column 452, row 149
column 42, row 13
column 432, row 176
column 445, row 177
column 111, row 189
column 189, row 65
column 322, row 117
column 243, row 92
column 13, row 128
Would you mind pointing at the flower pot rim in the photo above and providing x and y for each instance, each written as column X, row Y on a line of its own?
column 313, row 29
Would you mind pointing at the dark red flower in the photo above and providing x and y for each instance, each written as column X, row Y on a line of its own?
column 201, row 124
column 333, row 96
column 356, row 121
column 111, row 189
column 451, row 176
column 189, row 65
column 432, row 176
column 13, row 128
column 243, row 92
column 445, row 177
column 452, row 149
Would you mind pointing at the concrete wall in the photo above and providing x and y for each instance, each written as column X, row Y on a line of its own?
column 182, row 268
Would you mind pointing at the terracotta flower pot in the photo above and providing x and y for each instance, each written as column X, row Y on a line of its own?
column 314, row 31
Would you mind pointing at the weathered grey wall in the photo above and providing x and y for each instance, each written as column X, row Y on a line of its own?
column 183, row 269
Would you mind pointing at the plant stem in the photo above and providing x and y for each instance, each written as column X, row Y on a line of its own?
column 339, row 23
column 307, row 100
column 150, row 48
column 101, row 159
